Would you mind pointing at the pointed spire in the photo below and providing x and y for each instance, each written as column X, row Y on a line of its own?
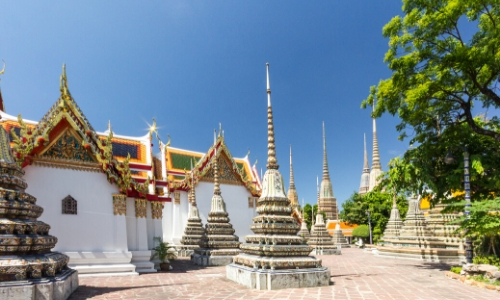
column 63, row 84
column 216, row 175
column 376, row 156
column 292, row 181
column 326, row 174
column 366, row 167
column 272, row 162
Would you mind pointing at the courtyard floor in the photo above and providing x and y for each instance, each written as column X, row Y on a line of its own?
column 354, row 275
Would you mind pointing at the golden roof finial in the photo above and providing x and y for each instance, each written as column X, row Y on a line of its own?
column 63, row 85
column 272, row 162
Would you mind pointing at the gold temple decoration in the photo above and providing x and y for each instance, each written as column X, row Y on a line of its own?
column 68, row 147
column 177, row 197
column 157, row 209
column 119, row 204
column 140, row 208
column 226, row 173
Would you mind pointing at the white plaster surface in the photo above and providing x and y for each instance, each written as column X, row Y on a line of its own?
column 275, row 280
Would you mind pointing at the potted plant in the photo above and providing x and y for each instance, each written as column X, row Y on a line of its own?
column 164, row 253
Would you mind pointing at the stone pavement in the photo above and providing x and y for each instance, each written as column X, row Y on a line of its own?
column 355, row 275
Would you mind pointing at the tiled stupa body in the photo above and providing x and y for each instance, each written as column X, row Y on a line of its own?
column 219, row 244
column 275, row 257
column 327, row 202
column 394, row 224
column 194, row 230
column 25, row 243
column 338, row 238
column 304, row 232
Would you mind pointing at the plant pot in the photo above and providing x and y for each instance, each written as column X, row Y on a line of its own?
column 164, row 266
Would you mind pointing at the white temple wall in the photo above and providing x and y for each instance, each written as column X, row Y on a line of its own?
column 168, row 222
column 94, row 239
column 236, row 199
column 94, row 227
column 154, row 227
column 137, row 233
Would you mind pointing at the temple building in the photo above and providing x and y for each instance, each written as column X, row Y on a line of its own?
column 108, row 195
column 327, row 202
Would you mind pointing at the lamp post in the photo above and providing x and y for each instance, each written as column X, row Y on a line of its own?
column 468, row 241
column 369, row 226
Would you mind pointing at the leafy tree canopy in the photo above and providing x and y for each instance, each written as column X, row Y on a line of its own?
column 424, row 168
column 378, row 203
column 445, row 57
column 362, row 231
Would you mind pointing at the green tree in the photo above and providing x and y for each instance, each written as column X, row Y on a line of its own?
column 362, row 231
column 444, row 57
column 483, row 223
column 378, row 203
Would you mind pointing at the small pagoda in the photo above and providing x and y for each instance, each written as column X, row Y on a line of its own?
column 194, row 230
column 218, row 244
column 320, row 239
column 417, row 240
column 25, row 243
column 394, row 224
column 304, row 232
column 338, row 237
column 274, row 257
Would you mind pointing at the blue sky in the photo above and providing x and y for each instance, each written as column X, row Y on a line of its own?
column 193, row 64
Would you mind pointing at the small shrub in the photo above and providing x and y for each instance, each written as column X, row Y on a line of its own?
column 487, row 260
column 456, row 270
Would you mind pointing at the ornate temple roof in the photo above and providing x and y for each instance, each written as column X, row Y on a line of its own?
column 236, row 171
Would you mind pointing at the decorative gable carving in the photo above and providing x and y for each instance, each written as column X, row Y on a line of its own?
column 226, row 173
column 68, row 147
column 69, row 206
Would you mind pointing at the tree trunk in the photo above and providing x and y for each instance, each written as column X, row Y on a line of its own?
column 492, row 243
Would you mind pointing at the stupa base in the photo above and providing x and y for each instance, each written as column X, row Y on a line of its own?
column 59, row 287
column 431, row 255
column 277, row 279
column 217, row 257
column 186, row 250
column 329, row 251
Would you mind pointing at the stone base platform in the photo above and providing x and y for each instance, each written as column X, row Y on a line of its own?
column 59, row 287
column 186, row 250
column 142, row 261
column 326, row 252
column 277, row 279
column 211, row 260
column 449, row 256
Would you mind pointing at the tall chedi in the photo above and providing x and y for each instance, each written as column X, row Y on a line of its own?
column 376, row 167
column 274, row 257
column 219, row 243
column 194, row 230
column 395, row 223
column 25, row 257
column 292, row 191
column 327, row 202
column 364, row 186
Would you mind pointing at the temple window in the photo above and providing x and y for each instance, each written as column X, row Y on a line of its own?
column 123, row 149
column 69, row 206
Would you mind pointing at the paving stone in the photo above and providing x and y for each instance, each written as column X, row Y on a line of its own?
column 355, row 275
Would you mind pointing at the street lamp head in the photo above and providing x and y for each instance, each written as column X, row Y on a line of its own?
column 449, row 159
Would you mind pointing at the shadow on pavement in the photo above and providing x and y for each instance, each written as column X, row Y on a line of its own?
column 85, row 292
